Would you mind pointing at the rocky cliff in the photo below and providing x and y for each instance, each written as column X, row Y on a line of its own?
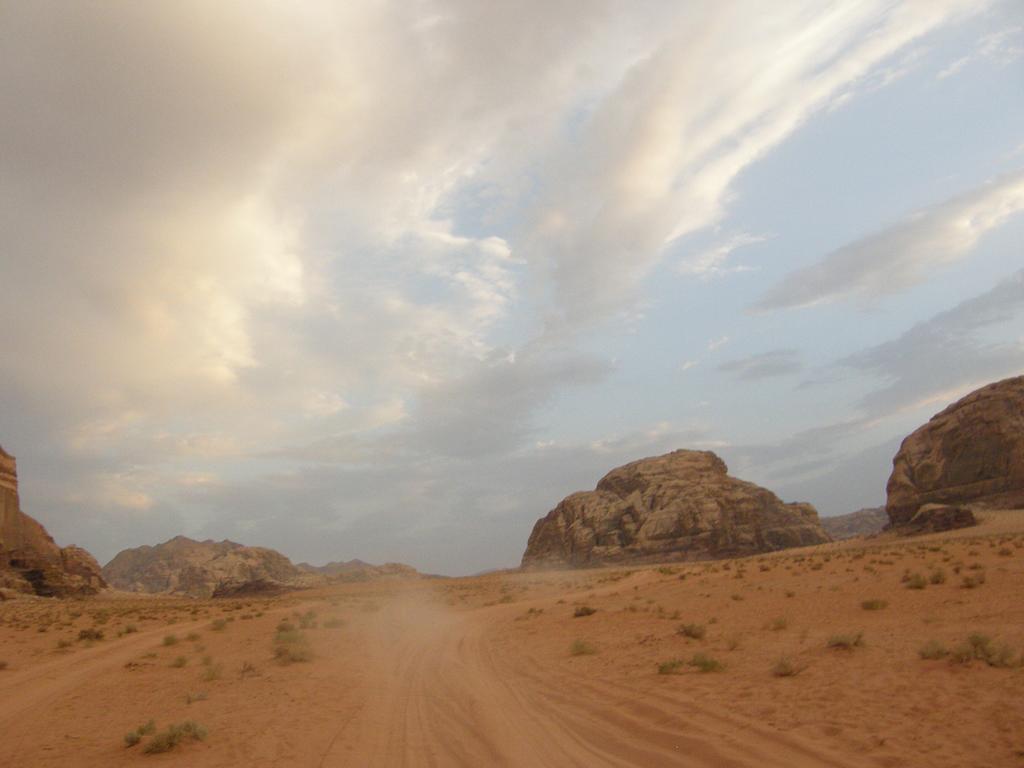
column 30, row 561
column 357, row 570
column 680, row 506
column 863, row 522
column 970, row 454
column 202, row 569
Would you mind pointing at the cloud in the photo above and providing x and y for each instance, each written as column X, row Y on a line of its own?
column 776, row 362
column 328, row 262
column 904, row 254
column 715, row 344
column 712, row 262
column 946, row 356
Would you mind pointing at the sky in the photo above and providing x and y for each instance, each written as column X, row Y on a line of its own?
column 388, row 280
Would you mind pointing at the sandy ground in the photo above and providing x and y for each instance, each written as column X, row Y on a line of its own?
column 482, row 671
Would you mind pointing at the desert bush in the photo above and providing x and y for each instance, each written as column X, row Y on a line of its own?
column 192, row 637
column 705, row 663
column 170, row 640
column 219, row 625
column 179, row 662
column 846, row 642
column 3, row 665
column 285, row 626
column 938, row 576
column 130, row 629
column 785, row 667
column 134, row 737
column 1006, row 552
column 694, row 631
column 291, row 646
column 90, row 634
column 932, row 650
column 581, row 648
column 212, row 672
column 583, row 610
column 175, row 735
column 778, row 623
column 973, row 582
column 916, row 581
column 194, row 697
column 673, row 667
column 875, row 604
column 336, row 623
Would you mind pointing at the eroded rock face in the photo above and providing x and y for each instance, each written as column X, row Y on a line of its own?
column 863, row 522
column 30, row 560
column 357, row 570
column 680, row 506
column 972, row 453
column 201, row 568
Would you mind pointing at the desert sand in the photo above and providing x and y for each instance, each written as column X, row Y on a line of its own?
column 499, row 670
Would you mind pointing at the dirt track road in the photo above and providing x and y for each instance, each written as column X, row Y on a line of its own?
column 414, row 683
column 451, row 693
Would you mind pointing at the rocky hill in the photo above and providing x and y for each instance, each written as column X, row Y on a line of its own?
column 202, row 569
column 969, row 455
column 680, row 506
column 863, row 522
column 357, row 570
column 30, row 560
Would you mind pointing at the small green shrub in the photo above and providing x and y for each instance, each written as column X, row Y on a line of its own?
column 291, row 646
column 673, row 667
column 705, row 663
column 170, row 640
column 694, row 631
column 581, row 648
column 785, row 667
column 583, row 610
column 846, row 642
column 938, row 576
column 90, row 634
column 219, row 625
column 179, row 662
column 916, row 581
column 933, row 650
column 875, row 604
column 175, row 734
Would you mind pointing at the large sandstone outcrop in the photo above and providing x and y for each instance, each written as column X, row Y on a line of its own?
column 680, row 506
column 202, row 569
column 30, row 561
column 972, row 454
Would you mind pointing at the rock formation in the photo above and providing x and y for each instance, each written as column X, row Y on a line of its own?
column 680, row 506
column 30, row 561
column 863, row 522
column 357, row 570
column 971, row 454
column 202, row 569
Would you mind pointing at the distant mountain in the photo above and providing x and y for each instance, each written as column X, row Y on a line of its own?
column 357, row 570
column 863, row 522
column 30, row 561
column 202, row 569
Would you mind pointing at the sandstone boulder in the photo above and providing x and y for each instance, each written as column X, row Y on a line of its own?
column 680, row 506
column 30, row 560
column 972, row 453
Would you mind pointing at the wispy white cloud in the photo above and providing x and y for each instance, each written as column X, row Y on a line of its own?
column 904, row 254
column 713, row 261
